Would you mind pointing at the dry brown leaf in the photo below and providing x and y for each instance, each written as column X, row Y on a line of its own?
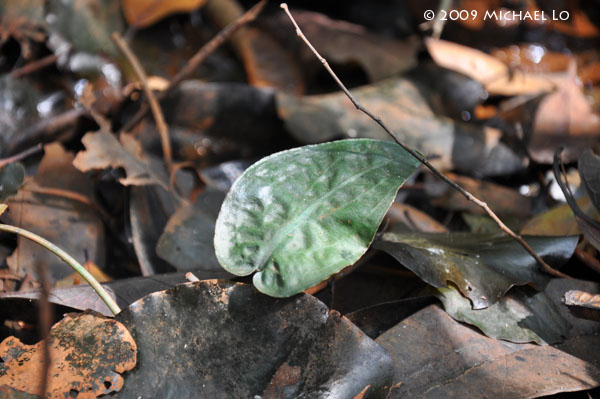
column 103, row 150
column 73, row 225
column 492, row 73
column 414, row 218
column 564, row 118
column 142, row 13
column 266, row 61
column 88, row 352
column 504, row 200
column 75, row 278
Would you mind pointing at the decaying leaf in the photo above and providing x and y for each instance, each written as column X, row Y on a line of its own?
column 21, row 305
column 558, row 221
column 583, row 304
column 267, row 62
column 73, row 225
column 149, row 211
column 187, row 240
column 522, row 315
column 492, row 73
column 299, row 216
column 438, row 357
column 505, row 200
column 565, row 118
column 142, row 13
column 414, row 219
column 482, row 266
column 103, row 150
column 344, row 43
column 11, row 179
column 399, row 102
column 89, row 353
column 221, row 339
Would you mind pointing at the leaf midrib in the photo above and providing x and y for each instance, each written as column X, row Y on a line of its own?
column 266, row 252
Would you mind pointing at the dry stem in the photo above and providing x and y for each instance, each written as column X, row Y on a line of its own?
column 161, row 125
column 544, row 266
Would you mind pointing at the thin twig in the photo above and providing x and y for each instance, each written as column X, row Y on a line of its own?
column 34, row 66
column 159, row 118
column 544, row 266
column 20, row 156
column 68, row 259
column 45, row 316
column 198, row 58
column 588, row 260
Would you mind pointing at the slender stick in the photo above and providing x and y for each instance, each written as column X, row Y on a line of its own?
column 22, row 155
column 34, row 66
column 544, row 266
column 68, row 259
column 199, row 58
column 46, row 314
column 161, row 125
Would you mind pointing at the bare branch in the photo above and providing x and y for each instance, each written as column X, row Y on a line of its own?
column 543, row 265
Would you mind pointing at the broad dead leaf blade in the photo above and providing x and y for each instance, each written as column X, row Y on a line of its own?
column 221, row 339
column 482, row 266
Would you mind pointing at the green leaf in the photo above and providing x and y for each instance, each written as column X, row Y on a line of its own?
column 11, row 179
column 482, row 266
column 299, row 216
column 523, row 315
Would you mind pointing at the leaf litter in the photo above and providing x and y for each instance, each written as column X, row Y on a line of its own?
column 121, row 208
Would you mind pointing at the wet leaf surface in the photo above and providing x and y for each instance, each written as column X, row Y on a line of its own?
column 244, row 343
column 435, row 356
column 296, row 215
column 522, row 315
column 482, row 266
column 187, row 240
column 89, row 353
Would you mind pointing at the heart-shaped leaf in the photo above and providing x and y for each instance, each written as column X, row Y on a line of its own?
column 301, row 215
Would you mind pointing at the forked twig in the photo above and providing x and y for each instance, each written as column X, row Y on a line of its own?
column 199, row 58
column 159, row 118
column 544, row 266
